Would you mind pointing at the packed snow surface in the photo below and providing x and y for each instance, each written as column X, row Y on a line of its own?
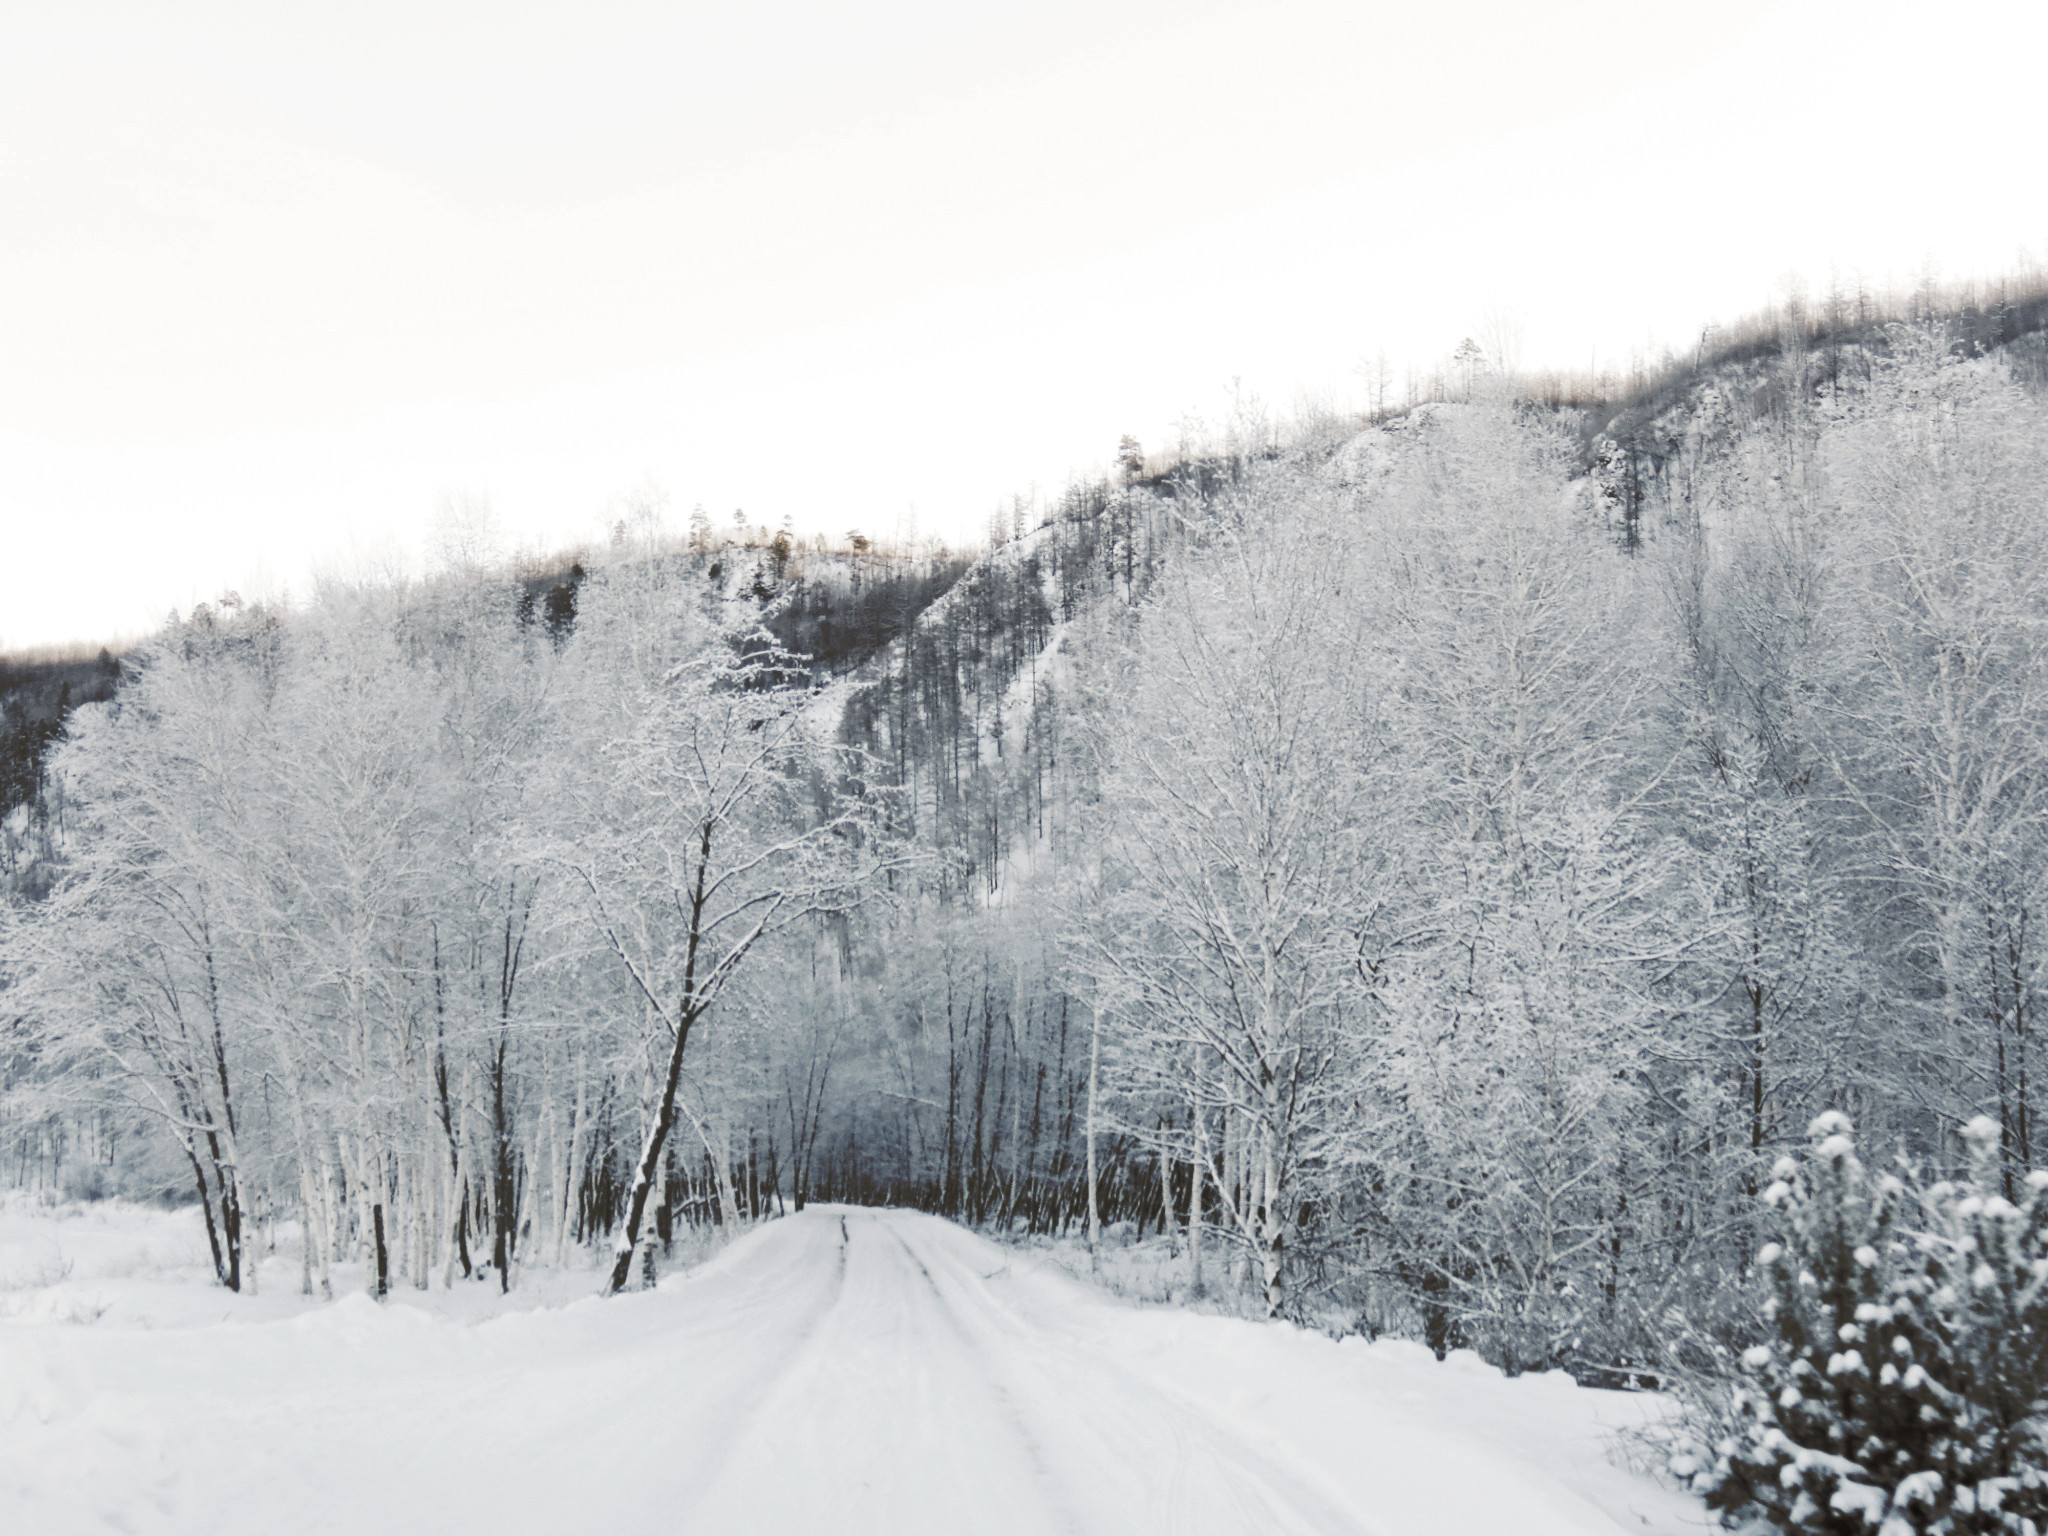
column 843, row 1370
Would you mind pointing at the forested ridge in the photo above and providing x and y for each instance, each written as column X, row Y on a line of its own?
column 1437, row 867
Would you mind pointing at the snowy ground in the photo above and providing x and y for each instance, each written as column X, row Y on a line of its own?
column 845, row 1370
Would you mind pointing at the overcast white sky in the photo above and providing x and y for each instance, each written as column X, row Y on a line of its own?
column 275, row 277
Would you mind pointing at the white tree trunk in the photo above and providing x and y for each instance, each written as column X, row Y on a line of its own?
column 572, row 1178
column 1198, row 1177
column 1094, row 1071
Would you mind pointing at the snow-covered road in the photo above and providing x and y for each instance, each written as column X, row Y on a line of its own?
column 918, row 1392
column 843, row 1371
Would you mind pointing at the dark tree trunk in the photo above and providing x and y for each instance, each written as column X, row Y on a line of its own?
column 220, row 1267
column 665, row 1114
column 447, row 1109
column 503, row 1195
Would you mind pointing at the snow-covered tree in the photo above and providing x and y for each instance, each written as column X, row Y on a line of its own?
column 1943, row 711
column 1547, row 907
column 1245, row 788
column 712, row 819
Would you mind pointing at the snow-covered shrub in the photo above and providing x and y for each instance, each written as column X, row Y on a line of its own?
column 1904, row 1390
column 83, row 1179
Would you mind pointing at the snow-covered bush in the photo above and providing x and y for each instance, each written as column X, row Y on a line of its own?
column 1904, row 1390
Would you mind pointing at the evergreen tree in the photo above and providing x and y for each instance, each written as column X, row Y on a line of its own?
column 1904, row 1390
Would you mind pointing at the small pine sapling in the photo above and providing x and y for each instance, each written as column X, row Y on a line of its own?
column 1902, row 1394
column 1809, row 1401
column 1980, row 1279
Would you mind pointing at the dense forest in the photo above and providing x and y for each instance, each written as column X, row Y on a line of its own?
column 1434, row 866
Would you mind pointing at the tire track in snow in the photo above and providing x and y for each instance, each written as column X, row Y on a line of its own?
column 1057, row 1496
column 714, row 1451
column 1270, row 1496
